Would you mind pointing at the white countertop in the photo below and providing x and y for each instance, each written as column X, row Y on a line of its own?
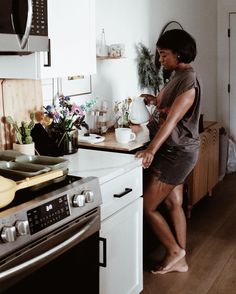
column 102, row 164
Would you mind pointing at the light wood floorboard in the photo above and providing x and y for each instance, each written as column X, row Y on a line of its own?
column 211, row 248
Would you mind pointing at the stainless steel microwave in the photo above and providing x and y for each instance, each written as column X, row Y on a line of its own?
column 23, row 26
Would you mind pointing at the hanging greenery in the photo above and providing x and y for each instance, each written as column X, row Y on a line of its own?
column 149, row 75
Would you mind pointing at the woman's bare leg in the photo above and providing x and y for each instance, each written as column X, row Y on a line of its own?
column 154, row 193
column 174, row 203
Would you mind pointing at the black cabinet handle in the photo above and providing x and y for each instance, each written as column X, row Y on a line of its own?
column 104, row 252
column 127, row 190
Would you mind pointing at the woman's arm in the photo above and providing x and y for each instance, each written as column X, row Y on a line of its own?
column 178, row 109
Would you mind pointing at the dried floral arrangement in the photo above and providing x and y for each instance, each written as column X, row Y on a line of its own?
column 150, row 76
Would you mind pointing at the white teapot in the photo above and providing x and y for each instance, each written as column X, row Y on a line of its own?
column 139, row 113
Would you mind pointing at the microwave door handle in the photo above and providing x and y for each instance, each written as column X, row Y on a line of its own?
column 28, row 25
column 45, row 257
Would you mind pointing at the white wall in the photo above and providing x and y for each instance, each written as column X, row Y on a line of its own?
column 124, row 22
column 135, row 21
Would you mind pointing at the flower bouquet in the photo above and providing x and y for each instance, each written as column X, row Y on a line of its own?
column 63, row 122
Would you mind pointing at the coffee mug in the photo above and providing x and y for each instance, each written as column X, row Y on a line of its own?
column 124, row 135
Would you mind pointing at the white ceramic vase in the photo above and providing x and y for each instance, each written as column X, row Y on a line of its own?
column 28, row 149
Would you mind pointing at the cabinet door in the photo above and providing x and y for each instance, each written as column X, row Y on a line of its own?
column 122, row 233
column 71, row 29
column 198, row 180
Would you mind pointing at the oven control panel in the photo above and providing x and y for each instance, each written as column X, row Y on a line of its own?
column 48, row 214
column 41, row 216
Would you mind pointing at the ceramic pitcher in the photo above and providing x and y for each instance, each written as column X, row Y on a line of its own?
column 139, row 113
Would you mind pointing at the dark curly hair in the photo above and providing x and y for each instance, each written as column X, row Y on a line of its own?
column 179, row 42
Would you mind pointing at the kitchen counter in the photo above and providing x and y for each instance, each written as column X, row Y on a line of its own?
column 110, row 142
column 102, row 164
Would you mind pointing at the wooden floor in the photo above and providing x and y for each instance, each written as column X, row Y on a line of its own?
column 211, row 248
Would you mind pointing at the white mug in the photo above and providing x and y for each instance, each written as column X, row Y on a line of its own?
column 124, row 135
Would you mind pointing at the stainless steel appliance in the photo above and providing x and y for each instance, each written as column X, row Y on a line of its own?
column 50, row 238
column 23, row 26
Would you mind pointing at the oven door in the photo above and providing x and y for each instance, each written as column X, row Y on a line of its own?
column 63, row 261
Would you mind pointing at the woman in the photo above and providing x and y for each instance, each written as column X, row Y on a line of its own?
column 174, row 145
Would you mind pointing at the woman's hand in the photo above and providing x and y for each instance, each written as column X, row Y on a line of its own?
column 147, row 157
column 136, row 128
column 149, row 99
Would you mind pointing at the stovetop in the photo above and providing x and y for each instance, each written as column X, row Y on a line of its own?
column 35, row 213
column 27, row 194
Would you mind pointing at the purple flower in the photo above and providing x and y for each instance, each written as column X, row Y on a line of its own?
column 67, row 116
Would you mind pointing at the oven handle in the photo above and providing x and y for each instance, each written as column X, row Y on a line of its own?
column 28, row 25
column 55, row 251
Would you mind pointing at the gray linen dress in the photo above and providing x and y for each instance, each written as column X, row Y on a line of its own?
column 177, row 156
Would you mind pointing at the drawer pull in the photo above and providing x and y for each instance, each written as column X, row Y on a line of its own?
column 127, row 190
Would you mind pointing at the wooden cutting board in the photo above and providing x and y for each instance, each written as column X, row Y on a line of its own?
column 18, row 98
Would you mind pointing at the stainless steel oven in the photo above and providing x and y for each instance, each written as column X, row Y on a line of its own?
column 50, row 239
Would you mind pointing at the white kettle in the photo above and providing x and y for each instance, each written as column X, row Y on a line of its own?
column 139, row 113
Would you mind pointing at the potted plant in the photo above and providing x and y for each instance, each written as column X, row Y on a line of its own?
column 24, row 142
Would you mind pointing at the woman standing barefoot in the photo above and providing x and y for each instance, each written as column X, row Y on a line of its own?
column 174, row 146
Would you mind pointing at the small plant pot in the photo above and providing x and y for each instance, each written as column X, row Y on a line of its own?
column 28, row 149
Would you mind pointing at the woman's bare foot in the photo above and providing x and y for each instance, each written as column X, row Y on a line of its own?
column 181, row 266
column 170, row 260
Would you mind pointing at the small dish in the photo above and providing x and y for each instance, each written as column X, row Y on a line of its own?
column 92, row 139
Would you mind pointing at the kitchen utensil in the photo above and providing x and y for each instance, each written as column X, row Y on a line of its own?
column 139, row 113
column 9, row 187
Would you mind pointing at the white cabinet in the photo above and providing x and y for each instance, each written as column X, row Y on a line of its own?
column 71, row 29
column 122, row 235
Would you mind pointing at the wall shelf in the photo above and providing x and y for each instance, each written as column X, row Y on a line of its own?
column 108, row 57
